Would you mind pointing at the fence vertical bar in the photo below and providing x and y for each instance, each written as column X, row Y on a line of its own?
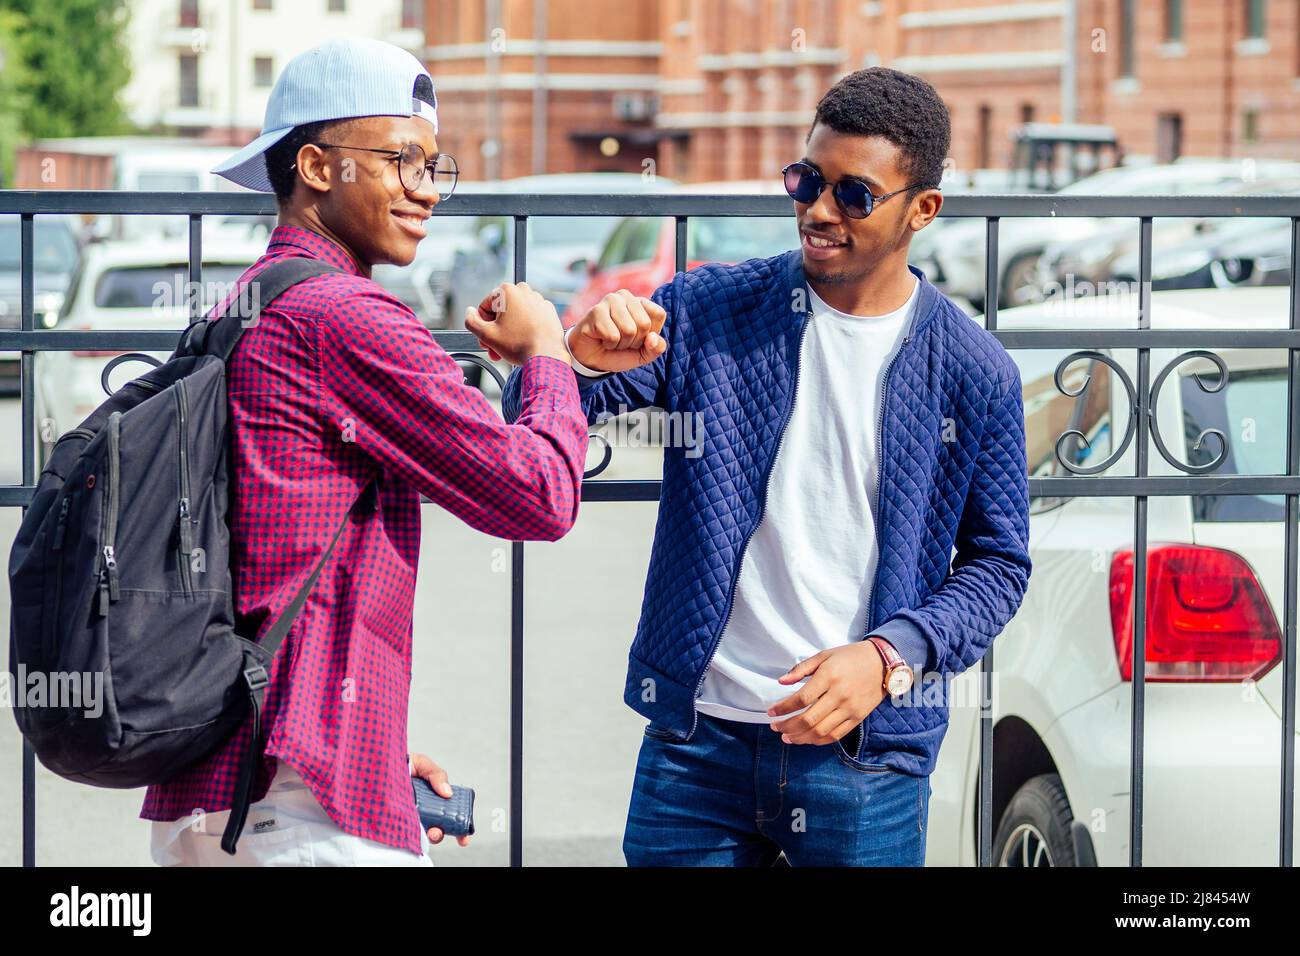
column 985, row 827
column 1139, row 657
column 27, row 400
column 517, row 632
column 1286, row 827
column 679, row 223
column 194, row 296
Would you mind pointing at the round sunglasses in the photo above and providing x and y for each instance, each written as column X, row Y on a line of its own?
column 804, row 182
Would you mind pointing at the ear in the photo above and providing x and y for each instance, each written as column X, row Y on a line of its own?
column 925, row 206
column 312, row 169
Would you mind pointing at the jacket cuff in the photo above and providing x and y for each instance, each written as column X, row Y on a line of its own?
column 910, row 642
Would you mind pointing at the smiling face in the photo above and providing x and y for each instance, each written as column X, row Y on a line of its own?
column 838, row 249
column 358, row 195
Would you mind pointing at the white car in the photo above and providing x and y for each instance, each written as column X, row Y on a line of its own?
column 954, row 258
column 1062, row 695
column 124, row 285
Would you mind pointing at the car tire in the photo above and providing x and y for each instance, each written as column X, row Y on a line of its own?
column 1036, row 827
column 1021, row 272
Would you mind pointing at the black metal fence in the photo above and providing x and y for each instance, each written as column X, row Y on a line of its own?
column 1081, row 483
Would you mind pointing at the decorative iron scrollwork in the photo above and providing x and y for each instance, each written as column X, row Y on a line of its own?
column 1152, row 402
column 1200, row 439
column 1130, row 427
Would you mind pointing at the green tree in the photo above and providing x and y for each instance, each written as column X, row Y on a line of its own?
column 75, row 65
column 12, row 76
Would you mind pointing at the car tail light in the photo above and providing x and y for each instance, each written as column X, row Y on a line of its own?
column 80, row 353
column 1207, row 618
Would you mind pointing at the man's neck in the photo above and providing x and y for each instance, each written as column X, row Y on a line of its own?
column 310, row 220
column 877, row 293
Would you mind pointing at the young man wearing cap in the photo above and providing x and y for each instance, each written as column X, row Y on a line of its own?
column 857, row 425
column 336, row 385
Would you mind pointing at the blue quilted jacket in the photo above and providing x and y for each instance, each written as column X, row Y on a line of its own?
column 952, row 475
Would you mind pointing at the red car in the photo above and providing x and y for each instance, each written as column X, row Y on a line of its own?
column 640, row 254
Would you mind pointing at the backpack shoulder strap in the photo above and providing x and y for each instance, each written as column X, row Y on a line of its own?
column 208, row 336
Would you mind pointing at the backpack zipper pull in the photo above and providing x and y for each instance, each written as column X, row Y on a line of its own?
column 110, row 566
column 103, row 592
column 61, row 528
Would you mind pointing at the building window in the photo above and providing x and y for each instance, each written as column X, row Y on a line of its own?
column 263, row 71
column 1254, row 25
column 1250, row 126
column 1026, row 112
column 412, row 14
column 1169, row 137
column 189, row 13
column 337, row 6
column 984, row 142
column 1126, row 38
column 261, row 4
column 1173, row 21
column 189, row 80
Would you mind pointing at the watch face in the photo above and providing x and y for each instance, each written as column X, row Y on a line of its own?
column 900, row 680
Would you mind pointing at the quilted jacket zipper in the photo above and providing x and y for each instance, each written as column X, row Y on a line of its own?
column 108, row 576
column 740, row 560
column 880, row 470
column 185, row 541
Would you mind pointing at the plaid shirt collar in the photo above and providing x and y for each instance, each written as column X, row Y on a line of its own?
column 312, row 243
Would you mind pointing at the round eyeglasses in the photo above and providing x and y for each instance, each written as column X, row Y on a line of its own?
column 805, row 182
column 414, row 169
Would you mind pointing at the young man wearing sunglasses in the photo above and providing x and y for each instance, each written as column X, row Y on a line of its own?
column 802, row 610
column 337, row 385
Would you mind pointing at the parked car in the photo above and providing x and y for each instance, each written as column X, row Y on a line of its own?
column 559, row 247
column 641, row 253
column 55, row 251
column 1214, row 689
column 1184, row 250
column 957, row 255
column 124, row 285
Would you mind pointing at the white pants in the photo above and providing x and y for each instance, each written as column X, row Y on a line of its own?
column 286, row 828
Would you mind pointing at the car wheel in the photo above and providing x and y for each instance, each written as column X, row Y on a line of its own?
column 1035, row 829
column 1022, row 284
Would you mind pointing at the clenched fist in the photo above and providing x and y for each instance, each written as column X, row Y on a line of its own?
column 619, row 333
column 515, row 323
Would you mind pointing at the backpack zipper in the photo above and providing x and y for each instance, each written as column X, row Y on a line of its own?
column 56, row 549
column 767, row 481
column 186, row 543
column 108, row 576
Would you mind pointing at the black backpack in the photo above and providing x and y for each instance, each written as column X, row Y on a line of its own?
column 121, row 569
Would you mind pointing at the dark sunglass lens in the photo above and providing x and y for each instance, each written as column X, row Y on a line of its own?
column 802, row 183
column 854, row 197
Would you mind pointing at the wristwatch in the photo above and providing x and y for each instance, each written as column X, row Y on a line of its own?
column 898, row 675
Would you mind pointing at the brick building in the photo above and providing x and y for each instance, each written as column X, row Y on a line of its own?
column 725, row 89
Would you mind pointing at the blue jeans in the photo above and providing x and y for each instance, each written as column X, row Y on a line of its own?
column 735, row 795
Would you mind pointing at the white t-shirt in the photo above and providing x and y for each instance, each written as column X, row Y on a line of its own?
column 806, row 575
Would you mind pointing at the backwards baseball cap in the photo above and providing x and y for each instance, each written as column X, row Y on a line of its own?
column 340, row 79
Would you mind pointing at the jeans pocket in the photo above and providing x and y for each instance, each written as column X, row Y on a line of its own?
column 659, row 733
column 859, row 765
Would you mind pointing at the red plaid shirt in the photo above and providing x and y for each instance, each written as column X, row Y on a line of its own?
column 337, row 383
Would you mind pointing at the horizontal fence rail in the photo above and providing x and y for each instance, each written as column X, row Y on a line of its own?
column 1138, row 428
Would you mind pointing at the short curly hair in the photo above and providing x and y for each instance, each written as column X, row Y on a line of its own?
column 281, row 157
column 902, row 108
